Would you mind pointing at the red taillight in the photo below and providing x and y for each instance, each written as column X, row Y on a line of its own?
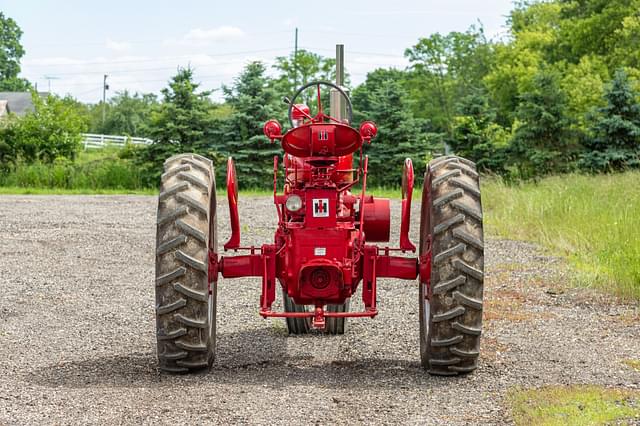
column 272, row 129
column 368, row 130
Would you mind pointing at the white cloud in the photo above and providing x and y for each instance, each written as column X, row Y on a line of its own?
column 117, row 46
column 290, row 22
column 82, row 77
column 201, row 37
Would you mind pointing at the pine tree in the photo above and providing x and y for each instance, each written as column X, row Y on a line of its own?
column 180, row 124
column 400, row 135
column 615, row 130
column 542, row 143
column 476, row 136
column 253, row 102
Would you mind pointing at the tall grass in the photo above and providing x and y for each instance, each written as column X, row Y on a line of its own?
column 102, row 170
column 592, row 220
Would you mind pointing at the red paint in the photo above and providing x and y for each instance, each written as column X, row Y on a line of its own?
column 321, row 253
column 272, row 129
column 321, row 140
column 300, row 112
column 377, row 219
column 407, row 193
column 368, row 130
column 232, row 197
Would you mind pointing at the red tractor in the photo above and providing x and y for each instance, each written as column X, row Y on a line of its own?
column 322, row 251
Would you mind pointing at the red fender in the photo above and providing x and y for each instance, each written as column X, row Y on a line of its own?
column 407, row 192
column 232, row 196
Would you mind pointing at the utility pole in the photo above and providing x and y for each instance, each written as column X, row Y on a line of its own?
column 295, row 62
column 105, row 87
column 49, row 78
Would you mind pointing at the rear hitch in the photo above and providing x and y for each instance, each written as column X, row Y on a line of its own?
column 318, row 322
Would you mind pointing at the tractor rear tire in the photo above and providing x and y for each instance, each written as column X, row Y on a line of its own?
column 295, row 325
column 337, row 325
column 451, row 307
column 186, row 229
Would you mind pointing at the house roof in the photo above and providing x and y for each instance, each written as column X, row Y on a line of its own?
column 18, row 103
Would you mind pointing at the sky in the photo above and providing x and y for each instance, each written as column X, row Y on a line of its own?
column 70, row 45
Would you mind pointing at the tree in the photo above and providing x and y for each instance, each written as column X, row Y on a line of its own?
column 533, row 33
column 180, row 124
column 126, row 114
column 11, row 51
column 584, row 85
column 444, row 68
column 476, row 136
column 599, row 27
column 542, row 142
column 615, row 129
column 382, row 99
column 53, row 130
column 253, row 101
column 298, row 70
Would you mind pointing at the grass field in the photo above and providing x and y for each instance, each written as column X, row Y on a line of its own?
column 574, row 405
column 594, row 221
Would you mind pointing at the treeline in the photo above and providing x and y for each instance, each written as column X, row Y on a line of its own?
column 559, row 93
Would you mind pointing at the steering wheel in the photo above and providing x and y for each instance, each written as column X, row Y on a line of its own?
column 320, row 117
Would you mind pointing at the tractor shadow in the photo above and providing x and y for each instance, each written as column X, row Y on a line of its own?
column 253, row 357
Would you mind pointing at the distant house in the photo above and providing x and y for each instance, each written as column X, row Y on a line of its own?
column 18, row 103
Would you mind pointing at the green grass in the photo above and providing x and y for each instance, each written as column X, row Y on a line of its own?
column 574, row 405
column 93, row 171
column 633, row 363
column 17, row 190
column 594, row 221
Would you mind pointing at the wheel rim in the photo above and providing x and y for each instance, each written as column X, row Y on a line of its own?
column 210, row 315
column 425, row 313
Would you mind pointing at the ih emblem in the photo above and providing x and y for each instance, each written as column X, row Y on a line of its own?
column 320, row 207
column 323, row 135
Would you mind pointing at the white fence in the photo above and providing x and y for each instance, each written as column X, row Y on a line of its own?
column 93, row 141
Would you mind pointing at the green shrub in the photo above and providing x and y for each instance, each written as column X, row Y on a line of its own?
column 107, row 173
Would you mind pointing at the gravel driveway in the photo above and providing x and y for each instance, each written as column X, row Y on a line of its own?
column 77, row 329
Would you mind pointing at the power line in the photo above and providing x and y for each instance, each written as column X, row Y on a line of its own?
column 390, row 55
column 376, row 34
column 148, row 41
column 205, row 77
column 136, row 70
column 212, row 55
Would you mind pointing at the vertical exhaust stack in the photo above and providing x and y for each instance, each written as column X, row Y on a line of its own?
column 337, row 105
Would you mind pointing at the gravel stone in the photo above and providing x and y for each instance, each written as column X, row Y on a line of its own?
column 77, row 327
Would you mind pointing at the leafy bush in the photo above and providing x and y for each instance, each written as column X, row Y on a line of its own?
column 108, row 172
column 52, row 131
